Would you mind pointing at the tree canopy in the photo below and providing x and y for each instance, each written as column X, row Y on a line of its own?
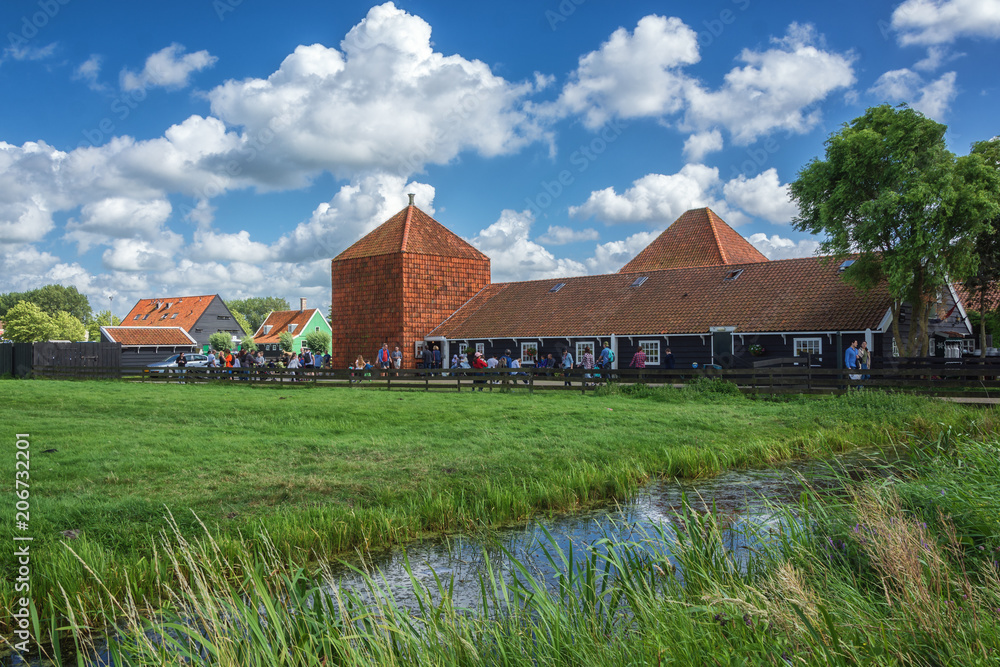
column 50, row 299
column 986, row 278
column 26, row 322
column 890, row 192
column 318, row 341
column 102, row 319
column 256, row 308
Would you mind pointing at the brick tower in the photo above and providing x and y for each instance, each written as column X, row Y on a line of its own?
column 397, row 283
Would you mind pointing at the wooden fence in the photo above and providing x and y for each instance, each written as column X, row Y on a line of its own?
column 982, row 381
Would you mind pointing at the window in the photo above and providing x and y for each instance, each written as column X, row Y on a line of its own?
column 146, row 316
column 292, row 327
column 652, row 350
column 558, row 287
column 163, row 316
column 804, row 346
column 843, row 267
column 969, row 346
column 418, row 348
column 197, row 330
column 895, row 348
column 639, row 281
column 317, row 328
column 173, row 316
column 529, row 352
column 462, row 347
column 136, row 317
column 578, row 357
column 481, row 348
column 733, row 275
column 267, row 328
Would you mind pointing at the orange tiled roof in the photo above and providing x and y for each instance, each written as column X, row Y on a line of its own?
column 411, row 231
column 697, row 238
column 787, row 295
column 151, row 335
column 151, row 312
column 279, row 321
column 992, row 297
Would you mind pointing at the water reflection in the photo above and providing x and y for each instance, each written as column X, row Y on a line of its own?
column 741, row 500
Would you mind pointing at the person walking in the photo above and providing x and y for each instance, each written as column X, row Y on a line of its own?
column 397, row 358
column 864, row 359
column 638, row 359
column 588, row 363
column 567, row 365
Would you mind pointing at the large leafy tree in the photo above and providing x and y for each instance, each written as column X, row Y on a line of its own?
column 26, row 323
column 256, row 308
column 51, row 299
column 986, row 280
column 241, row 319
column 891, row 193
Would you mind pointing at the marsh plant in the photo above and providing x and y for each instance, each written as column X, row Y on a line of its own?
column 901, row 568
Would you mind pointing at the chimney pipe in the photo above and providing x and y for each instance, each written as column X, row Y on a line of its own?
column 411, row 196
column 302, row 303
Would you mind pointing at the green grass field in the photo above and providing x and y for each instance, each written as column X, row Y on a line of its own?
column 323, row 471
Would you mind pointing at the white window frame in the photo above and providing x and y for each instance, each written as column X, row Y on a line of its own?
column 796, row 352
column 895, row 347
column 462, row 348
column 481, row 348
column 418, row 349
column 969, row 345
column 525, row 359
column 579, row 350
column 652, row 350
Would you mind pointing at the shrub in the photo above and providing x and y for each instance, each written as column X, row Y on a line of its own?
column 705, row 385
column 221, row 341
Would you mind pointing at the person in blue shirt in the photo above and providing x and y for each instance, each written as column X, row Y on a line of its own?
column 506, row 356
column 851, row 356
column 567, row 364
column 606, row 357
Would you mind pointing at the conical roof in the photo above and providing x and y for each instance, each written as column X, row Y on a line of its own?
column 411, row 231
column 697, row 238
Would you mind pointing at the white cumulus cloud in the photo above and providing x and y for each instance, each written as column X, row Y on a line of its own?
column 559, row 235
column 698, row 145
column 933, row 99
column 514, row 256
column 762, row 196
column 633, row 75
column 167, row 68
column 776, row 89
column 927, row 22
column 776, row 247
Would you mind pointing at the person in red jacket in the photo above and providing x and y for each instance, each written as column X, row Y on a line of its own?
column 478, row 362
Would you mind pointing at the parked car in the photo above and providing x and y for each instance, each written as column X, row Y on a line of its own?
column 193, row 361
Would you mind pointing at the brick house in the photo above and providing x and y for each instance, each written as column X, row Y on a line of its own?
column 399, row 282
column 299, row 323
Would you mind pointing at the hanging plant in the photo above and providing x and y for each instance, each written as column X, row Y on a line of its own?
column 757, row 350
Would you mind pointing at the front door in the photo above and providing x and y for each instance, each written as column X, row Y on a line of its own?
column 722, row 348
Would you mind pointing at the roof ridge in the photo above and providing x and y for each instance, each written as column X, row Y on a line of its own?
column 406, row 227
column 715, row 233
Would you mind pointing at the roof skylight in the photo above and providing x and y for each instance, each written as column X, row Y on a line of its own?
column 639, row 281
column 558, row 287
column 733, row 275
column 846, row 264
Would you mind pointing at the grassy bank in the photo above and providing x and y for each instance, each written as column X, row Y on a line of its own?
column 323, row 471
column 902, row 569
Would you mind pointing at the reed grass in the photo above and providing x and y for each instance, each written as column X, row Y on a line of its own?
column 891, row 571
column 366, row 476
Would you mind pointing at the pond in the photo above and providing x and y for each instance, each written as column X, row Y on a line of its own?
column 743, row 500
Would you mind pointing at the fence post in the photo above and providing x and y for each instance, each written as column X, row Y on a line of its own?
column 531, row 381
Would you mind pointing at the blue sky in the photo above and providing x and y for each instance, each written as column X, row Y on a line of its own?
column 236, row 146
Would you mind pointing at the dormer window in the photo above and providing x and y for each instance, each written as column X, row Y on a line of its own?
column 173, row 316
column 267, row 328
column 292, row 327
column 136, row 317
column 733, row 275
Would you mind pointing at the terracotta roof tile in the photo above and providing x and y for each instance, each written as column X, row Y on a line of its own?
column 787, row 295
column 181, row 311
column 279, row 321
column 152, row 335
column 411, row 231
column 697, row 238
column 992, row 297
